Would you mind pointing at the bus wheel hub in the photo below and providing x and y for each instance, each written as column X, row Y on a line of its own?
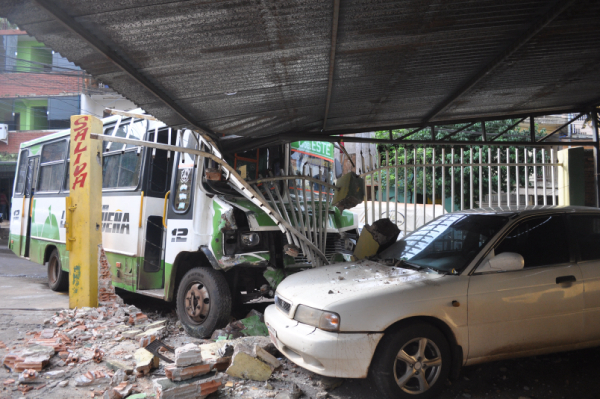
column 197, row 303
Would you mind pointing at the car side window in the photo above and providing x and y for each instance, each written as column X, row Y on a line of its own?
column 540, row 241
column 587, row 230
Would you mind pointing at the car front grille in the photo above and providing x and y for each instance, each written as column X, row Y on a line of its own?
column 283, row 305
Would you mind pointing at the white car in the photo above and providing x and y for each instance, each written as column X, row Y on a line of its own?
column 467, row 288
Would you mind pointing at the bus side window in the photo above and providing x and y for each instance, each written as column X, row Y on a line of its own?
column 52, row 166
column 22, row 172
column 160, row 173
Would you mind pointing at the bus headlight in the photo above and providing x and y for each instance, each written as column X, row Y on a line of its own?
column 250, row 239
column 327, row 321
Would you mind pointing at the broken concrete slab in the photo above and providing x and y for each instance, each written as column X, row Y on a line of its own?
column 151, row 335
column 197, row 388
column 156, row 324
column 265, row 356
column 145, row 361
column 350, row 191
column 131, row 333
column 187, row 355
column 375, row 238
column 116, row 364
column 245, row 366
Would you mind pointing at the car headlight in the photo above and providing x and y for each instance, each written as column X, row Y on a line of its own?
column 250, row 239
column 327, row 321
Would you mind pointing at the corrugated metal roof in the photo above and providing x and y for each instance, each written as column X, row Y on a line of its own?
column 397, row 63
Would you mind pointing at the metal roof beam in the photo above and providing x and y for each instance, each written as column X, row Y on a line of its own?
column 555, row 10
column 79, row 30
column 334, row 29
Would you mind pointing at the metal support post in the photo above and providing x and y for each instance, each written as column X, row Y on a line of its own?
column 84, row 211
column 532, row 129
column 594, row 115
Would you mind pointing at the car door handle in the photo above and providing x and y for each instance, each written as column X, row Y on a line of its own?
column 565, row 279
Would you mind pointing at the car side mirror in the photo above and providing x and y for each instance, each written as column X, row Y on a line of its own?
column 504, row 262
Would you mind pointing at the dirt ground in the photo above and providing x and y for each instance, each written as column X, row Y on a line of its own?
column 561, row 376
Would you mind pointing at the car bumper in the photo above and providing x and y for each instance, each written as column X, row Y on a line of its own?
column 344, row 355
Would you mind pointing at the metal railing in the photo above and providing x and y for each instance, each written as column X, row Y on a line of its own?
column 304, row 202
column 414, row 186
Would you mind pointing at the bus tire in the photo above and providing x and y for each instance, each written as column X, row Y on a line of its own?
column 58, row 279
column 203, row 301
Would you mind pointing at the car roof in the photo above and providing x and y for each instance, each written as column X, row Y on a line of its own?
column 522, row 210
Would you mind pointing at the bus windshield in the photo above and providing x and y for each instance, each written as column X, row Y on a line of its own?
column 314, row 159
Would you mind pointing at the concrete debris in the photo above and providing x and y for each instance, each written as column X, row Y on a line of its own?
column 91, row 377
column 55, row 374
column 116, row 364
column 106, row 291
column 144, row 361
column 187, row 355
column 266, row 357
column 375, row 238
column 197, row 388
column 98, row 355
column 243, row 365
column 175, row 373
column 151, row 335
column 122, row 390
column 294, row 393
column 252, row 325
column 28, row 376
column 350, row 191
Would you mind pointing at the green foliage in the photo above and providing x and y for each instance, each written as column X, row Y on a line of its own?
column 420, row 154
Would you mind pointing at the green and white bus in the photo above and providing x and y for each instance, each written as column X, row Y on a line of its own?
column 173, row 227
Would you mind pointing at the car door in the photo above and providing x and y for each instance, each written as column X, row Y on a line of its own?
column 537, row 307
column 586, row 233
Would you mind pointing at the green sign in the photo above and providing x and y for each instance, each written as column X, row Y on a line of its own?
column 321, row 149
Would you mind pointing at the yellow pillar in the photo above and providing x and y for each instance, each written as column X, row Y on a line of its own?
column 84, row 211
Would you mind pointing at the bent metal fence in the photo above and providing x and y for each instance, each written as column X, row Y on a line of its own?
column 413, row 186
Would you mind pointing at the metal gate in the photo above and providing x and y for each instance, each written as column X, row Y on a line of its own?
column 413, row 186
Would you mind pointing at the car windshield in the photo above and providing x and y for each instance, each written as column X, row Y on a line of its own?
column 448, row 243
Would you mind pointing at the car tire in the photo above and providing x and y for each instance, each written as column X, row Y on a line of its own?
column 203, row 302
column 399, row 368
column 58, row 279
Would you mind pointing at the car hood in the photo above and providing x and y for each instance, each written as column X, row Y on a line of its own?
column 330, row 287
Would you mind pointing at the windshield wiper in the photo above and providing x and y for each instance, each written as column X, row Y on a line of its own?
column 407, row 265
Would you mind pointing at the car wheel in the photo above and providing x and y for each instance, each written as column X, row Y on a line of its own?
column 203, row 302
column 412, row 362
column 58, row 279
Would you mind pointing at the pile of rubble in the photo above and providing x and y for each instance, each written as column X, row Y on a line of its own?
column 116, row 351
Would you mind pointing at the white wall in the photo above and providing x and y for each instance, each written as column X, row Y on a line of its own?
column 95, row 105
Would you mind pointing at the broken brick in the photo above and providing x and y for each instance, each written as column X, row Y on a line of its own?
column 196, row 388
column 175, row 373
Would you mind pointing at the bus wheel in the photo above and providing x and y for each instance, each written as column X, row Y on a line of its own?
column 58, row 279
column 203, row 302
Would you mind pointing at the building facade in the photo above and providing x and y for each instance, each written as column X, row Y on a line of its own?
column 39, row 91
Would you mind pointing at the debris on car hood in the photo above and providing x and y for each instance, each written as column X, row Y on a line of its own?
column 343, row 281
